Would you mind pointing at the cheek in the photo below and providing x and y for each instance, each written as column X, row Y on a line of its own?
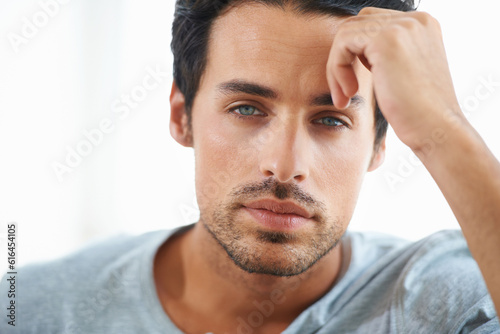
column 340, row 172
column 340, row 176
column 221, row 162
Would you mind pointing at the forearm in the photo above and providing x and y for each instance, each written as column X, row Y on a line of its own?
column 469, row 177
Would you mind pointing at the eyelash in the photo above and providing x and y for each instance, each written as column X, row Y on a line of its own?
column 246, row 117
column 233, row 111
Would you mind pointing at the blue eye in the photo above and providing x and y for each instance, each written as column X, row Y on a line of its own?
column 246, row 110
column 331, row 121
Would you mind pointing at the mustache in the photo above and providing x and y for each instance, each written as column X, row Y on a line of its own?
column 272, row 188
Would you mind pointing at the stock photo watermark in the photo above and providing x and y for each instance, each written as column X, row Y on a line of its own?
column 31, row 26
column 9, row 244
column 122, row 108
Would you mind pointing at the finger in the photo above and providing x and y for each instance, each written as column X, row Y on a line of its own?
column 365, row 62
column 340, row 101
column 372, row 20
column 350, row 43
column 346, row 77
column 339, row 78
column 375, row 10
column 340, row 69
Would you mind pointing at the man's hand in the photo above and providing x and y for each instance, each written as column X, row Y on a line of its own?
column 411, row 78
column 413, row 87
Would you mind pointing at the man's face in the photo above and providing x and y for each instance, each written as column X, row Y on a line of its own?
column 266, row 138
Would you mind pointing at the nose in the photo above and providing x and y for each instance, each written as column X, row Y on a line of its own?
column 285, row 152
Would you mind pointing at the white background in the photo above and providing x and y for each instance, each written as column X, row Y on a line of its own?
column 64, row 79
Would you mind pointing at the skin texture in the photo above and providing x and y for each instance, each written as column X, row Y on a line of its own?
column 289, row 150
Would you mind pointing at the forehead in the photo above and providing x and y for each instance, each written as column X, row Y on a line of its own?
column 278, row 24
column 273, row 46
column 261, row 42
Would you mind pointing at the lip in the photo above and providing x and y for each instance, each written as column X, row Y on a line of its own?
column 278, row 215
column 286, row 207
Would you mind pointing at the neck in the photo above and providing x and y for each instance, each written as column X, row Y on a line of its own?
column 205, row 279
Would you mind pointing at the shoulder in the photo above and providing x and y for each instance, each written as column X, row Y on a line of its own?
column 438, row 253
column 392, row 285
column 442, row 259
column 56, row 293
column 441, row 288
column 86, row 263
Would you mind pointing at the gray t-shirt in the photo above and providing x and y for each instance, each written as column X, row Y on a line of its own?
column 388, row 286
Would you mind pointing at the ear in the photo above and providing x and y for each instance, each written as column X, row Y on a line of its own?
column 378, row 156
column 180, row 128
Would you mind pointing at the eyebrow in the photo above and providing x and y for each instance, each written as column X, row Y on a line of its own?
column 326, row 100
column 240, row 86
column 245, row 87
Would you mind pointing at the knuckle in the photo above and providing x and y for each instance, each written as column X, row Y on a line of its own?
column 365, row 10
column 435, row 23
column 352, row 19
column 368, row 10
column 411, row 24
column 373, row 28
column 421, row 16
column 343, row 33
column 395, row 35
column 424, row 18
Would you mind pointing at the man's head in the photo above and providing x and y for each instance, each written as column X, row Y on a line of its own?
column 251, row 96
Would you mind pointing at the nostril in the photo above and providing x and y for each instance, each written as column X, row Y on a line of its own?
column 284, row 164
column 268, row 173
column 300, row 177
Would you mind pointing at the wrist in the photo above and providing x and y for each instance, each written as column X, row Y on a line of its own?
column 451, row 145
column 449, row 133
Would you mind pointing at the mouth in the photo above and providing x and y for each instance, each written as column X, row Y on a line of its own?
column 277, row 215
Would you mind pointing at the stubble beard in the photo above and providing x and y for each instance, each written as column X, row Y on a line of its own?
column 273, row 253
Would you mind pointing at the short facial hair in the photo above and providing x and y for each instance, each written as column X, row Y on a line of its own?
column 290, row 255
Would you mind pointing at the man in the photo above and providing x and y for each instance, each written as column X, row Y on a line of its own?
column 282, row 102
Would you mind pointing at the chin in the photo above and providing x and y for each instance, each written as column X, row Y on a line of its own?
column 273, row 253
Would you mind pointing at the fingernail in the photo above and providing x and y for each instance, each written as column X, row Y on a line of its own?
column 348, row 104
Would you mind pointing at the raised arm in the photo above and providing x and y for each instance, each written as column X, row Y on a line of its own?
column 414, row 89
